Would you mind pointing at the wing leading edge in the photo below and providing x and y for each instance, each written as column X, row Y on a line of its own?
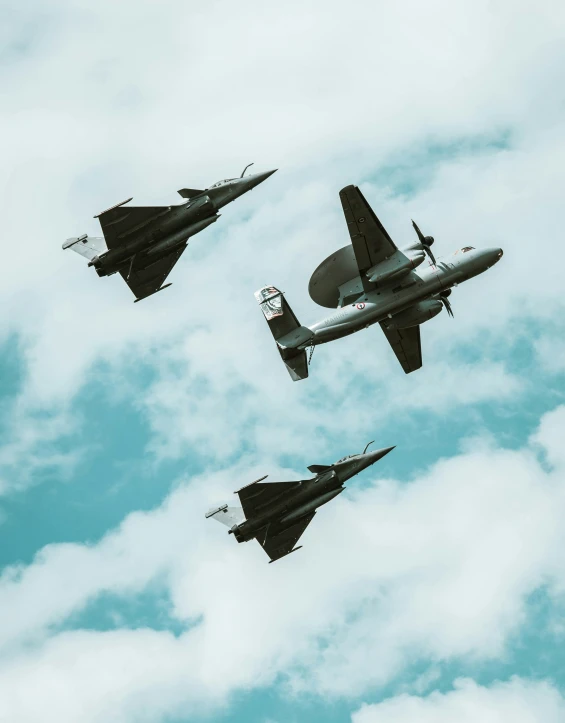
column 406, row 345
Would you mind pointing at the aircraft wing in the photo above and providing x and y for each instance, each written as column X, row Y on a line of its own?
column 259, row 496
column 121, row 219
column 278, row 541
column 406, row 345
column 370, row 240
column 146, row 281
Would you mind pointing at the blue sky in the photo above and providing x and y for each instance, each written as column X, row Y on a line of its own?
column 433, row 590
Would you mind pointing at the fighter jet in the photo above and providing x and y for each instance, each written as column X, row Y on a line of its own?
column 372, row 281
column 143, row 243
column 277, row 513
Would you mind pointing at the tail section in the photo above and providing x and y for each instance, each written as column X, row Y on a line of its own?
column 286, row 330
column 228, row 516
column 88, row 246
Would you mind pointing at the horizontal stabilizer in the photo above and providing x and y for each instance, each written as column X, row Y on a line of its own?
column 297, row 366
column 317, row 468
column 87, row 246
column 228, row 516
column 189, row 192
column 295, row 338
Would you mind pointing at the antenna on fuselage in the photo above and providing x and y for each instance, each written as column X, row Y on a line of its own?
column 367, row 447
column 246, row 167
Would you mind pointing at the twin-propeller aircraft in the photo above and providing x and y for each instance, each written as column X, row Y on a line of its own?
column 372, row 281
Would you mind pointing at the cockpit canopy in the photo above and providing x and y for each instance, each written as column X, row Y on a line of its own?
column 349, row 456
column 221, row 183
column 467, row 248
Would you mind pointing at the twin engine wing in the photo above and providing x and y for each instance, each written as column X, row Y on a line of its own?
column 369, row 238
column 406, row 345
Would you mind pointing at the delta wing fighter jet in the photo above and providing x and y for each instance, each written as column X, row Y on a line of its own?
column 143, row 243
column 277, row 513
column 372, row 281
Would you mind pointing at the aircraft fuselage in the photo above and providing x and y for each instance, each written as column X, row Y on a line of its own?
column 172, row 226
column 167, row 230
column 384, row 303
column 307, row 496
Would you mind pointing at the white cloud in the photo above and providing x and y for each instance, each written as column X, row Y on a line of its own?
column 519, row 701
column 437, row 569
column 99, row 108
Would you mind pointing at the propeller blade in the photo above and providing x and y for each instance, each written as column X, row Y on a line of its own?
column 426, row 241
column 430, row 253
column 447, row 305
column 420, row 234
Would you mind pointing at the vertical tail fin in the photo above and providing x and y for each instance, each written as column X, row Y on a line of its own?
column 228, row 516
column 286, row 330
column 87, row 246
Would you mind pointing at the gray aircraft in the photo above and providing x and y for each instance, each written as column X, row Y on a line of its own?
column 277, row 513
column 372, row 281
column 143, row 243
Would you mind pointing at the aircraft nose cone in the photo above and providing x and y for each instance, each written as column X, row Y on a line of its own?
column 372, row 457
column 249, row 182
column 260, row 177
column 379, row 454
column 493, row 256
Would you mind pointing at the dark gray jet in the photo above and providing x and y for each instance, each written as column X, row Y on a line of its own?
column 143, row 243
column 277, row 513
column 372, row 281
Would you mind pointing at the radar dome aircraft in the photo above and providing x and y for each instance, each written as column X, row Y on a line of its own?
column 277, row 513
column 372, row 281
column 143, row 243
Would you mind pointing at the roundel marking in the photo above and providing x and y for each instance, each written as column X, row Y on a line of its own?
column 361, row 305
column 362, row 219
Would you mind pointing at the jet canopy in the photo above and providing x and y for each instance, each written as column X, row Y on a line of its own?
column 222, row 183
column 349, row 456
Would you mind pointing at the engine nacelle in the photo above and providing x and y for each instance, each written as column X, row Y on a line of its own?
column 397, row 265
column 415, row 315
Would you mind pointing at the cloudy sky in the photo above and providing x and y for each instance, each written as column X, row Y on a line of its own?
column 433, row 590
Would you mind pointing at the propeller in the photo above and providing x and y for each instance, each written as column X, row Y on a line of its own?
column 426, row 242
column 443, row 296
